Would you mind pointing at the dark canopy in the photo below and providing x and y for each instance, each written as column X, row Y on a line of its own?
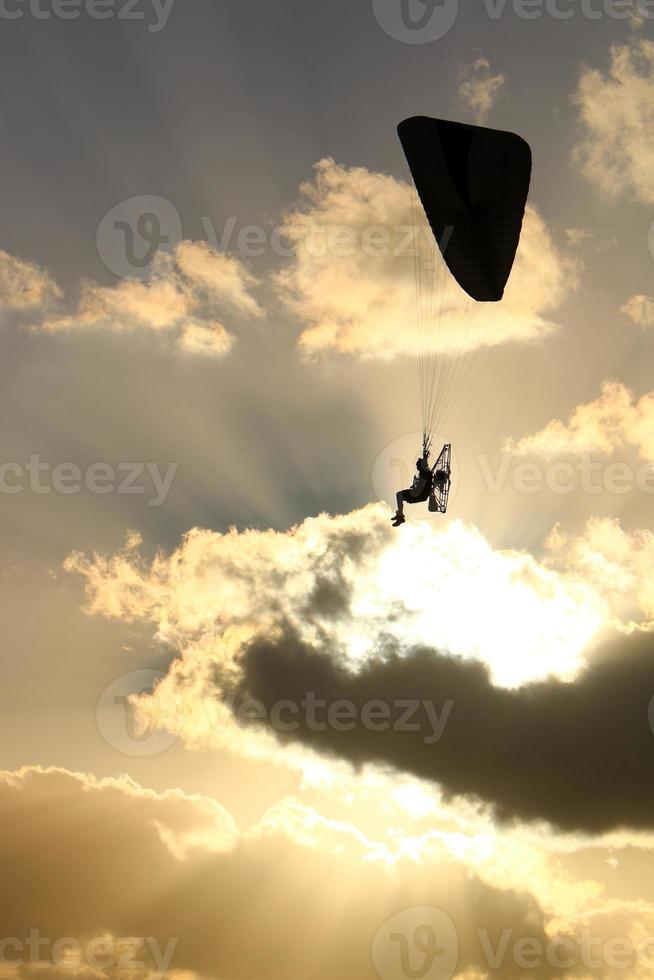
column 473, row 184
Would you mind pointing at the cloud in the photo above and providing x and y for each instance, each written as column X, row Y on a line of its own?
column 184, row 301
column 640, row 309
column 613, row 420
column 225, row 278
column 615, row 151
column 23, row 286
column 639, row 15
column 159, row 304
column 352, row 579
column 204, row 339
column 582, row 238
column 351, row 279
column 178, row 301
column 575, row 754
column 311, row 890
column 611, row 560
column 479, row 88
column 578, row 236
column 334, row 606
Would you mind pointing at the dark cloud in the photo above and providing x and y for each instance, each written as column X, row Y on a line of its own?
column 579, row 755
column 328, row 599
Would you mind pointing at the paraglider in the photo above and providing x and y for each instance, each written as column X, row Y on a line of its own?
column 429, row 483
column 471, row 185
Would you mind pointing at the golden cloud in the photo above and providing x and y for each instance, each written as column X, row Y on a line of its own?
column 616, row 148
column 479, row 88
column 352, row 282
column 23, row 286
column 314, row 892
column 613, row 420
column 179, row 302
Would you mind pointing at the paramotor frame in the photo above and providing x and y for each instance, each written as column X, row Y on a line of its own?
column 442, row 478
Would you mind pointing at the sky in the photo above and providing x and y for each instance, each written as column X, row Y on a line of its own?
column 249, row 730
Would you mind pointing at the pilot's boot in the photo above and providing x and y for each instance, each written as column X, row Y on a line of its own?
column 433, row 506
column 399, row 519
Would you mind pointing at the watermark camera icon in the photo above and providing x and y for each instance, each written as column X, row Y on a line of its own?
column 115, row 716
column 132, row 233
column 419, row 942
column 416, row 21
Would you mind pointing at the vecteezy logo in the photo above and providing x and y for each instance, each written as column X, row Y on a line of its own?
column 116, row 717
column 416, row 21
column 132, row 233
column 416, row 944
column 650, row 239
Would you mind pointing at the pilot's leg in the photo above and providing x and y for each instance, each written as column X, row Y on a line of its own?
column 399, row 517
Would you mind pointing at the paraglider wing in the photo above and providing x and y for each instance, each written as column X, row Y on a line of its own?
column 473, row 184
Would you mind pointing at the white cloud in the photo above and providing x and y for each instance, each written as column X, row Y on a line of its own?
column 616, row 148
column 158, row 304
column 578, row 236
column 224, row 277
column 638, row 16
column 350, row 578
column 185, row 301
column 204, row 339
column 640, row 310
column 617, row 563
column 479, row 88
column 180, row 299
column 582, row 238
column 352, row 278
column 23, row 286
column 613, row 420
